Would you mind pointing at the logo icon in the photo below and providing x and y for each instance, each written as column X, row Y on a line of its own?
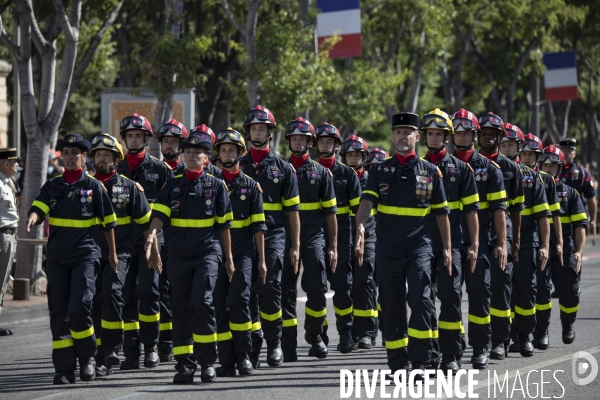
column 583, row 364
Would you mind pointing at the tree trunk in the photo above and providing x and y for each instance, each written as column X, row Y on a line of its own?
column 415, row 88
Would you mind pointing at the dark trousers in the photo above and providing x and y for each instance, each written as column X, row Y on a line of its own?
column 566, row 281
column 166, row 316
column 340, row 282
column 524, row 290
column 501, row 289
column 478, row 294
column 70, row 292
column 364, row 292
column 267, row 297
column 543, row 300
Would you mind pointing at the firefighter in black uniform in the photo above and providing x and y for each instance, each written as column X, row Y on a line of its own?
column 141, row 313
column 169, row 136
column 462, row 196
column 405, row 190
column 375, row 156
column 210, row 168
column 492, row 130
column 232, row 296
column 566, row 276
column 131, row 206
column 535, row 240
column 74, row 202
column 347, row 195
column 317, row 204
column 281, row 204
column 492, row 207
column 354, row 152
column 531, row 151
column 197, row 206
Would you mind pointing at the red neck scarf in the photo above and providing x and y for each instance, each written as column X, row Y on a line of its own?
column 327, row 162
column 491, row 157
column 134, row 160
column 567, row 166
column 464, row 156
column 105, row 178
column 436, row 157
column 72, row 175
column 360, row 172
column 405, row 159
column 229, row 176
column 259, row 154
column 173, row 164
column 193, row 175
column 297, row 162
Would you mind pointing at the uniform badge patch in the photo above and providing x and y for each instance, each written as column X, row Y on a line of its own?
column 140, row 188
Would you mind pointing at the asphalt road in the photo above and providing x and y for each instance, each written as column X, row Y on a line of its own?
column 26, row 369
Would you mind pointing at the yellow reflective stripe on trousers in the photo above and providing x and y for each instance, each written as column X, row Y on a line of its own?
column 180, row 350
column 132, row 326
column 289, row 202
column 82, row 334
column 496, row 195
column 415, row 333
column 379, row 307
column 166, row 326
column 474, row 198
column 143, row 220
column 193, row 223
column 396, row 344
column 480, row 320
column 499, row 313
column 273, row 206
column 542, row 307
column 364, row 313
column 71, row 223
column 271, row 317
column 329, row 203
column 98, row 342
column 578, row 217
column 316, row 314
column 343, row 210
column 325, row 323
column 205, row 338
column 112, row 325
column 256, row 326
column 123, row 220
column 454, row 205
column 221, row 337
column 149, row 318
column 525, row 311
column 372, row 193
column 246, row 326
column 451, row 326
column 62, row 344
column 435, row 334
column 287, row 323
column 568, row 310
column 310, row 206
column 41, row 205
column 403, row 211
column 161, row 208
column 341, row 312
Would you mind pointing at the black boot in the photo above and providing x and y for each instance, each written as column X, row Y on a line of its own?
column 64, row 378
column 244, row 366
column 419, row 375
column 225, row 371
column 102, row 370
column 515, row 346
column 568, row 334
column 346, row 343
column 497, row 352
column 450, row 364
column 479, row 360
column 254, row 360
column 274, row 353
column 527, row 349
column 87, row 372
column 365, row 342
column 374, row 341
column 165, row 353
column 184, row 378
column 318, row 347
column 151, row 359
column 111, row 360
column 208, row 374
column 542, row 341
column 131, row 362
column 290, row 355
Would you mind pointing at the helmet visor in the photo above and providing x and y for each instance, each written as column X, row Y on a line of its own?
column 352, row 145
column 260, row 115
column 492, row 120
column 166, row 129
column 430, row 120
column 549, row 158
column 299, row 125
column 465, row 123
column 133, row 121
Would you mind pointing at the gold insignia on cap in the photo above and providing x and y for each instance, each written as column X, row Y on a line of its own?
column 194, row 140
column 71, row 139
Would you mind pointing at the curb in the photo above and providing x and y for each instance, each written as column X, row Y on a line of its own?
column 10, row 316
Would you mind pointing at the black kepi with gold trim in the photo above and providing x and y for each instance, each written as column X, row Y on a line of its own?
column 405, row 120
column 8, row 154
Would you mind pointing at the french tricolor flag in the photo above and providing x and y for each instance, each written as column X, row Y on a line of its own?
column 560, row 78
column 341, row 17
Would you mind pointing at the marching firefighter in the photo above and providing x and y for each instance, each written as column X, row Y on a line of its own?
column 347, row 194
column 535, row 239
column 492, row 130
column 210, row 168
column 74, row 203
column 565, row 275
column 232, row 295
column 141, row 313
column 491, row 215
column 375, row 156
column 354, row 152
column 170, row 136
column 461, row 193
column 317, row 206
column 281, row 204
column 530, row 153
column 131, row 206
column 405, row 190
column 197, row 207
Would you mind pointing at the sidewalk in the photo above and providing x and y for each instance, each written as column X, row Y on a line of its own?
column 16, row 311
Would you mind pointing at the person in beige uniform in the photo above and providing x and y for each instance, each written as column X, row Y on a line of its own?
column 9, row 220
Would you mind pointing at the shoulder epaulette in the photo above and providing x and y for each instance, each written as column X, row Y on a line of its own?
column 495, row 164
column 469, row 165
column 123, row 176
column 575, row 190
column 168, row 166
column 210, row 174
column 293, row 169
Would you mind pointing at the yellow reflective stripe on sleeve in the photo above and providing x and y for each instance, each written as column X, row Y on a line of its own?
column 542, row 307
column 499, row 313
column 132, row 326
column 439, row 205
column 372, row 193
column 451, row 326
column 540, row 208
column 123, row 220
column 554, row 207
column 578, row 217
column 224, row 218
column 479, row 320
column 257, row 218
column 246, row 326
column 271, row 317
column 364, row 313
column 343, row 210
column 454, row 205
column 435, row 334
column 310, row 206
column 224, row 336
column 192, row 223
column 82, row 334
column 517, row 200
column 109, row 219
column 524, row 311
column 256, row 326
column 161, row 208
column 343, row 312
column 316, row 314
column 569, row 310
column 290, row 202
column 415, row 333
column 496, row 195
column 474, row 198
column 180, row 350
column 287, row 323
column 98, row 342
column 237, row 224
column 273, row 206
column 149, row 318
column 143, row 220
column 205, row 338
column 403, row 211
column 72, row 223
column 62, row 344
column 396, row 344
column 112, row 325
column 329, row 203
column 484, row 205
column 166, row 326
column 355, row 201
column 41, row 205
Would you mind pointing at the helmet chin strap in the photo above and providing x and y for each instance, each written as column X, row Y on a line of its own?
column 139, row 149
column 262, row 143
